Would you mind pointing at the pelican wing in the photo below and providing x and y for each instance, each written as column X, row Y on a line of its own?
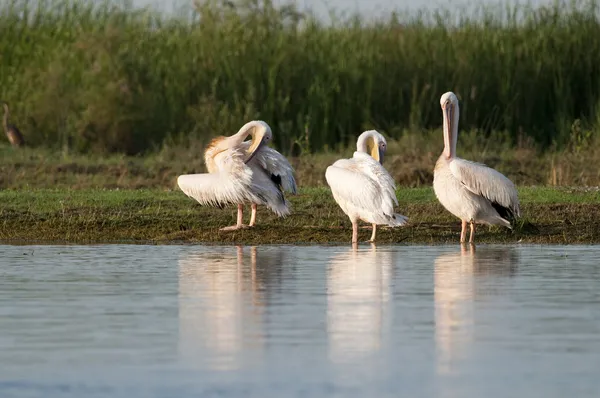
column 230, row 184
column 277, row 166
column 269, row 193
column 380, row 175
column 363, row 182
column 348, row 183
column 215, row 189
column 489, row 183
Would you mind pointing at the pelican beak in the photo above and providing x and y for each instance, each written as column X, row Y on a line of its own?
column 376, row 152
column 448, row 115
column 257, row 142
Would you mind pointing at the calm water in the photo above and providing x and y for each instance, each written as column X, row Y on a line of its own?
column 285, row 321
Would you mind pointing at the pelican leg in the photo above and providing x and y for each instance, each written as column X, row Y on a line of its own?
column 471, row 239
column 354, row 231
column 463, row 232
column 373, row 234
column 239, row 224
column 253, row 216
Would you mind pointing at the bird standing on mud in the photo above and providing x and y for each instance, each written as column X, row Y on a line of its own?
column 12, row 132
column 363, row 188
column 243, row 171
column 471, row 191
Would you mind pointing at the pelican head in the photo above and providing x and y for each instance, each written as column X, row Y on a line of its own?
column 260, row 134
column 449, row 104
column 373, row 143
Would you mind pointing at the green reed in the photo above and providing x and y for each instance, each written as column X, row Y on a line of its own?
column 102, row 77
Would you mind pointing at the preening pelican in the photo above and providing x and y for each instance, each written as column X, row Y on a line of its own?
column 362, row 186
column 471, row 191
column 243, row 171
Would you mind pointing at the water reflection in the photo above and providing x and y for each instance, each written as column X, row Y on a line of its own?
column 460, row 278
column 434, row 321
column 358, row 284
column 222, row 304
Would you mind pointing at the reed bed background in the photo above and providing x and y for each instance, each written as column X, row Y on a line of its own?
column 87, row 77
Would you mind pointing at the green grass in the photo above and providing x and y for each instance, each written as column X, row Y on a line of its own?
column 550, row 215
column 103, row 78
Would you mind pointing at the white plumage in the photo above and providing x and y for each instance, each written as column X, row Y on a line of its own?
column 228, row 182
column 363, row 188
column 243, row 171
column 272, row 174
column 471, row 191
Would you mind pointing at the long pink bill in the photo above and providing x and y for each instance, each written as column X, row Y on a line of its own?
column 448, row 126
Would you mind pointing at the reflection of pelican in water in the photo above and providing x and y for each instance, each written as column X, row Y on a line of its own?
column 358, row 284
column 459, row 278
column 221, row 303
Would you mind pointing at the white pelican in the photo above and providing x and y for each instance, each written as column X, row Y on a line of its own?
column 471, row 191
column 243, row 171
column 363, row 188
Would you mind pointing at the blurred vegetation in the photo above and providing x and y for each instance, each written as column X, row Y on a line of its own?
column 88, row 77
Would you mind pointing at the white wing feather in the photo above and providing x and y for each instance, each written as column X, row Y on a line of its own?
column 379, row 174
column 362, row 185
column 352, row 186
column 268, row 193
column 214, row 189
column 230, row 184
column 274, row 163
column 487, row 182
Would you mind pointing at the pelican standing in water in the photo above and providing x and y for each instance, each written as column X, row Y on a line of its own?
column 471, row 191
column 243, row 171
column 363, row 188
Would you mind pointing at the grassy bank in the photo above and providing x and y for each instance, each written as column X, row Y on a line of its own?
column 409, row 160
column 164, row 216
column 103, row 78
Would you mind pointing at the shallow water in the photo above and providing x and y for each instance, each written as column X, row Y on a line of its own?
column 284, row 321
